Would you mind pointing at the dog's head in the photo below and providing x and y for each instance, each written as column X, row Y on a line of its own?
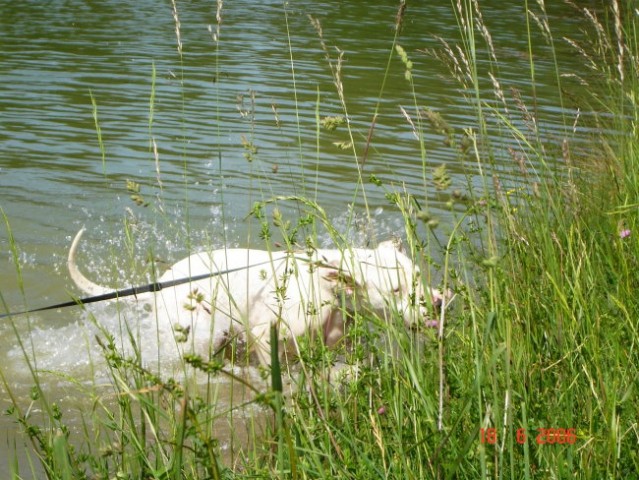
column 386, row 278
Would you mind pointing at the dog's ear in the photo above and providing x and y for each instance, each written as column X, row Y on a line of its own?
column 395, row 244
column 341, row 281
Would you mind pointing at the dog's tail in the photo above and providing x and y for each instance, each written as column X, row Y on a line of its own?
column 83, row 283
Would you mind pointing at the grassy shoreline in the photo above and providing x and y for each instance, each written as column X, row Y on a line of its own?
column 531, row 373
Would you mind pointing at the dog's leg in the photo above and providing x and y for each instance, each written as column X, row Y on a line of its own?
column 333, row 327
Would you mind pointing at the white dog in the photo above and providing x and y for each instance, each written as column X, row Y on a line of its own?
column 250, row 290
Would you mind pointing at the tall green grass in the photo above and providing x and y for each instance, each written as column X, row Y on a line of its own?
column 542, row 333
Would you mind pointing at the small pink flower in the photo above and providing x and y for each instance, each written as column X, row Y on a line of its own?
column 381, row 410
column 432, row 323
column 624, row 233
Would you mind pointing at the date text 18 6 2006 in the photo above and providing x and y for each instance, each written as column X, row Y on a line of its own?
column 545, row 436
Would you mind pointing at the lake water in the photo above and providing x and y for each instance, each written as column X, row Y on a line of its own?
column 234, row 121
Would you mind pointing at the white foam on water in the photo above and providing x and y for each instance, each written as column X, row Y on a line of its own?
column 77, row 353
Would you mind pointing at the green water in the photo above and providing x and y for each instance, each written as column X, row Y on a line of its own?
column 264, row 82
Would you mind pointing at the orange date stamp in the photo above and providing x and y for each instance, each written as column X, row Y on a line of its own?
column 544, row 436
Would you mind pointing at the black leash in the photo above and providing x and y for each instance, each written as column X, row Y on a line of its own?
column 127, row 292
